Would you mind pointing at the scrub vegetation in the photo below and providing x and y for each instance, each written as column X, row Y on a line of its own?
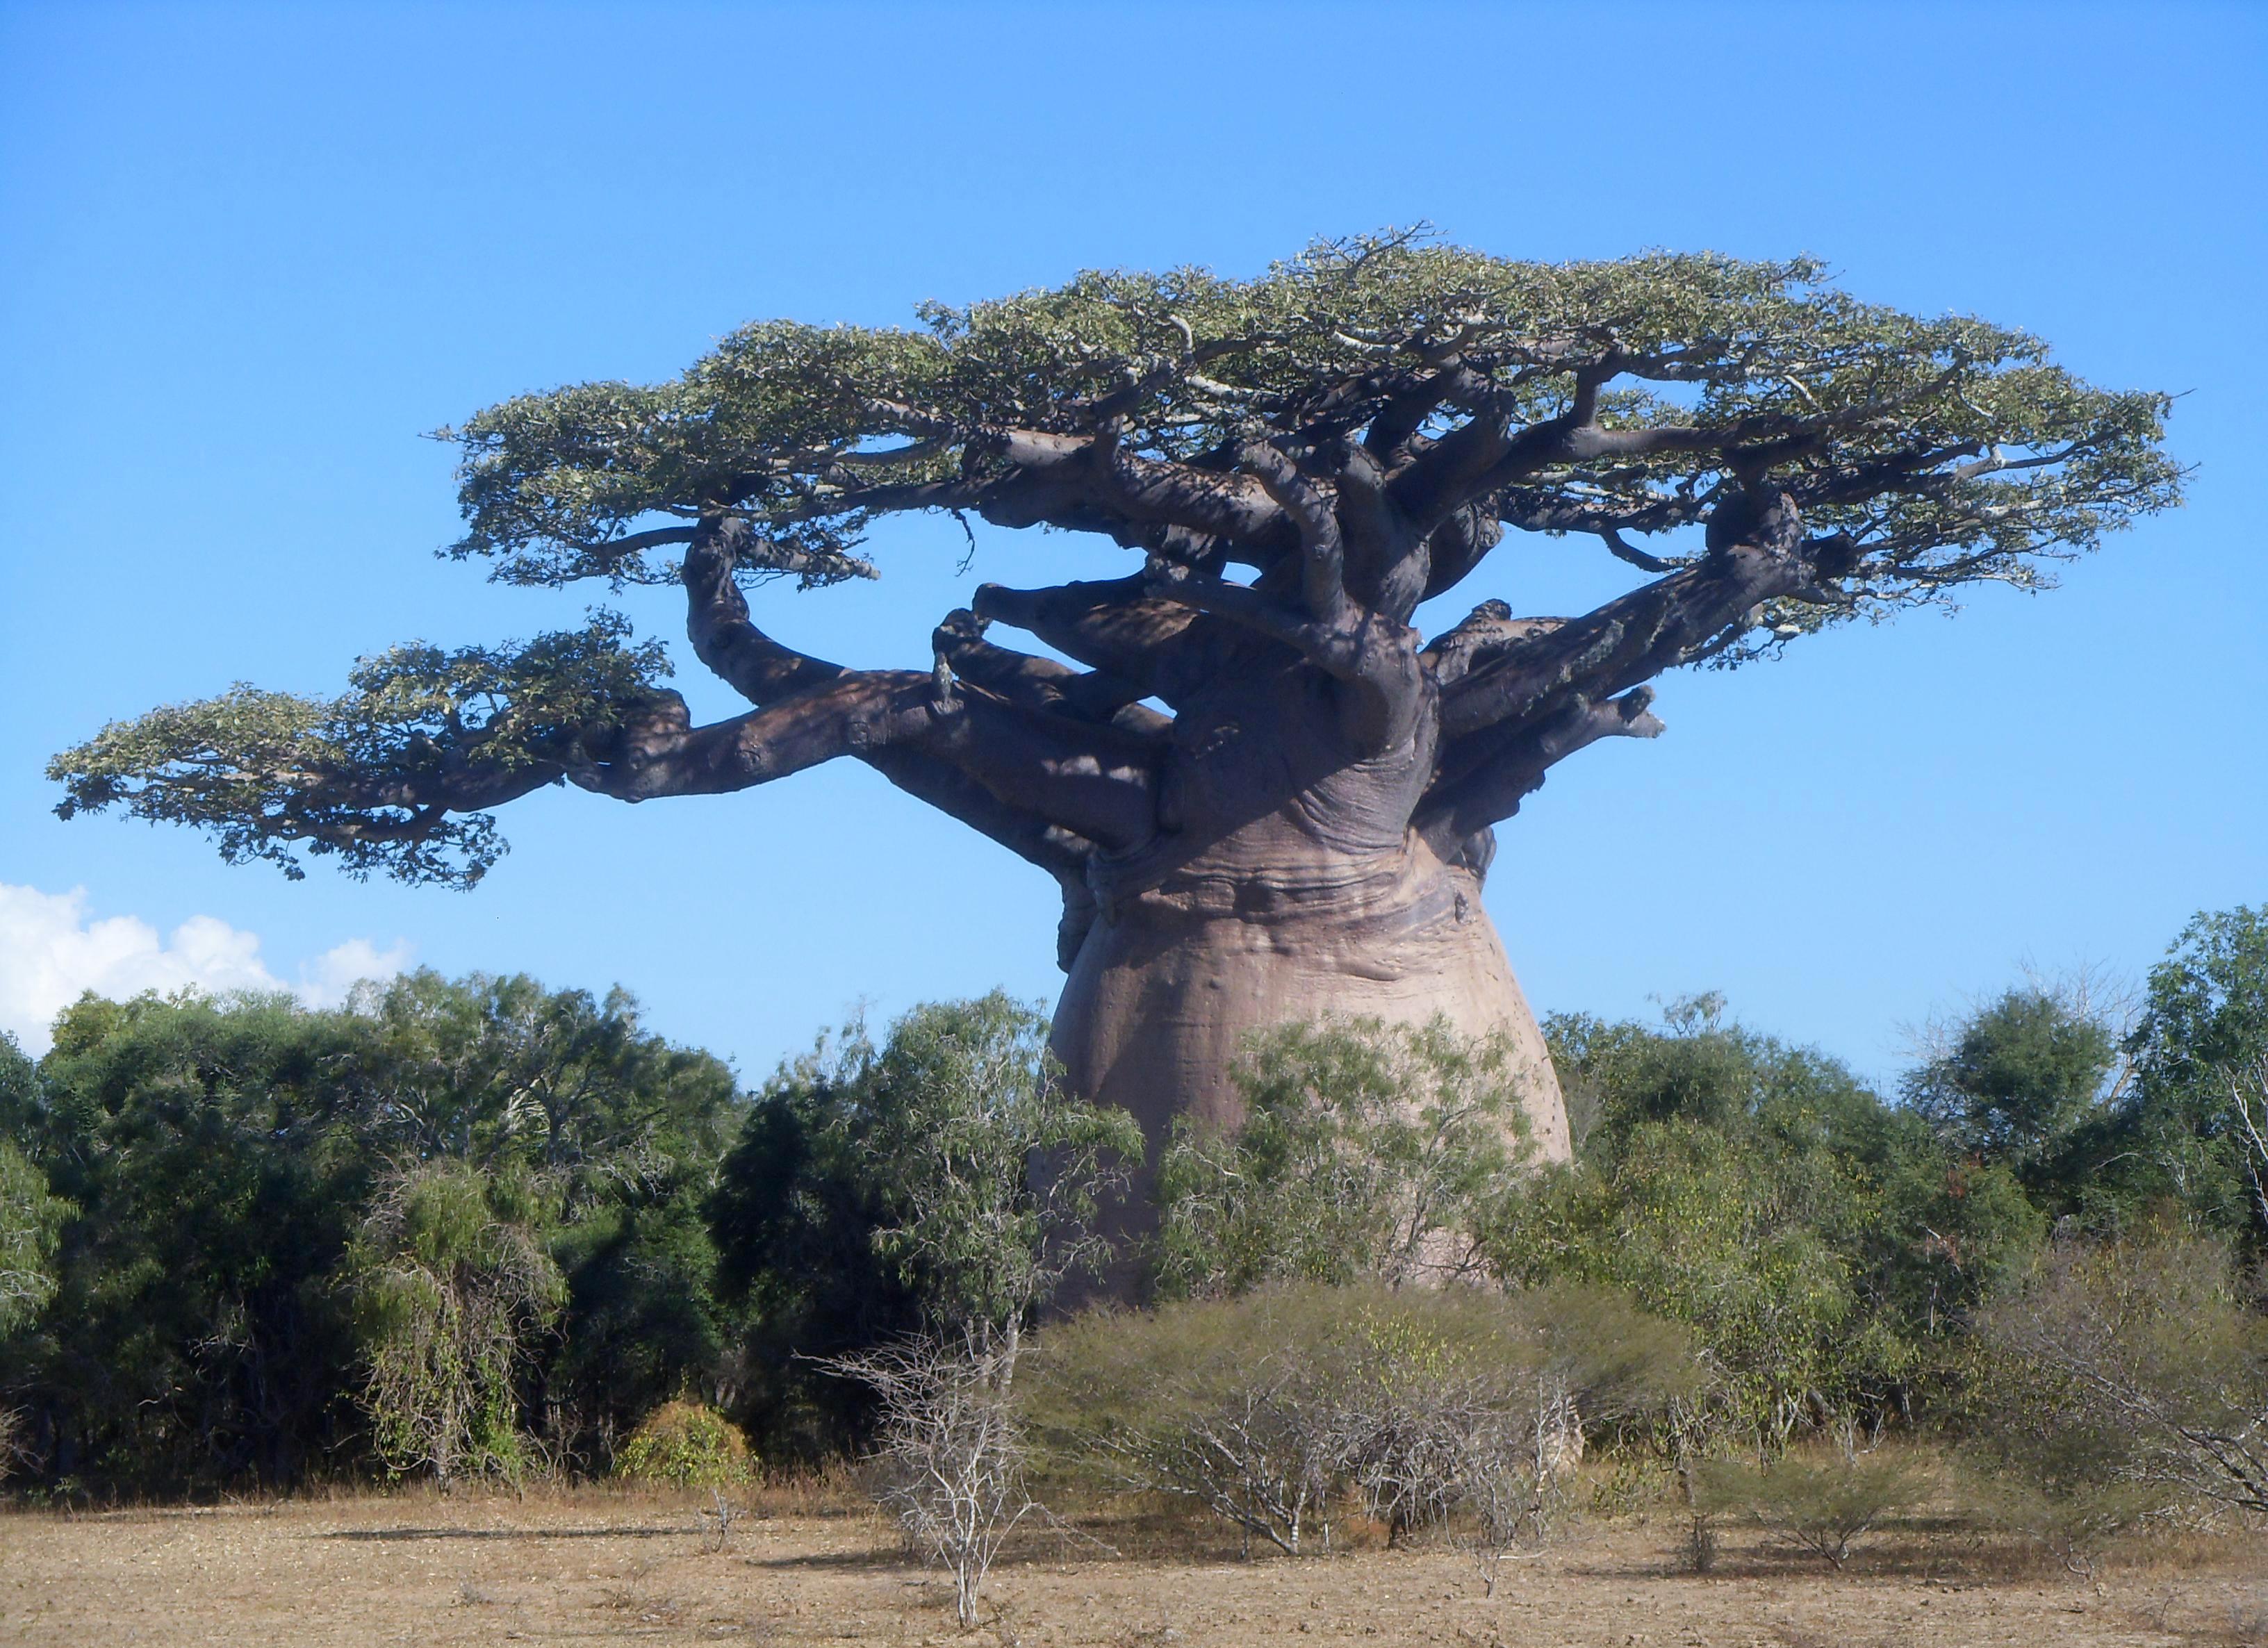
column 467, row 1234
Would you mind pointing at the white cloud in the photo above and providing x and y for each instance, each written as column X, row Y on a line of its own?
column 325, row 982
column 50, row 952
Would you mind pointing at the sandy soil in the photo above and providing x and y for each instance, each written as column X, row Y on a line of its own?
column 598, row 1567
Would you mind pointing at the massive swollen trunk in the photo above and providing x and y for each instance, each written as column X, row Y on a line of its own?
column 1163, row 994
column 1294, row 887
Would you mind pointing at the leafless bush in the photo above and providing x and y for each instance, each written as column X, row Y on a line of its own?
column 1510, row 1482
column 950, row 1458
column 717, row 1520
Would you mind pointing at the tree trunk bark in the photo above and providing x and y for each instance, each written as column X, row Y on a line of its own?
column 1288, row 882
column 1167, row 988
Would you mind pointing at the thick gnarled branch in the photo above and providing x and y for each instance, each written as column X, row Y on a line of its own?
column 1513, row 767
column 1117, row 628
column 1758, row 552
column 1039, row 684
column 1372, row 659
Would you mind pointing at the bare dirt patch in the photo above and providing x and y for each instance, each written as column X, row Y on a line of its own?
column 597, row 1567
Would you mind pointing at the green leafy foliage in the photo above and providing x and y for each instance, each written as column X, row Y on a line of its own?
column 2177, row 1143
column 941, row 1182
column 1821, row 1243
column 31, row 1226
column 997, row 1170
column 643, row 1321
column 555, row 486
column 1925, row 454
column 273, row 775
column 1367, row 1149
column 452, row 1287
column 686, row 1444
column 214, row 1155
column 494, row 1070
column 482, row 1226
column 2024, row 1084
column 219, row 1157
column 31, row 1220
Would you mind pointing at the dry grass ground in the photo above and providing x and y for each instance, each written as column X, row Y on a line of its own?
column 597, row 1566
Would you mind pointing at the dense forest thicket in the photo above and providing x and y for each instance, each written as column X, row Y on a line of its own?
column 482, row 1227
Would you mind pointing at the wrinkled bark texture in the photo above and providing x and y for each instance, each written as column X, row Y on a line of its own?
column 1297, row 887
column 1161, row 999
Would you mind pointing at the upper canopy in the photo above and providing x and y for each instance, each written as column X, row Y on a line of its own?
column 1949, row 449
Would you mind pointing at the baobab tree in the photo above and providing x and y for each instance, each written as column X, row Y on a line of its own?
column 1263, row 791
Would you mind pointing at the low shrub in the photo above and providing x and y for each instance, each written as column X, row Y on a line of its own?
column 1824, row 1506
column 2073, row 1513
column 686, row 1444
column 2128, row 1377
column 1426, row 1404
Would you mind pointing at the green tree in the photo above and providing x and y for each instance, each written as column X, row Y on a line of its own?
column 21, row 1100
column 1692, row 1227
column 997, row 1173
column 625, row 1131
column 943, row 1182
column 793, row 1217
column 2178, row 1142
column 215, row 1154
column 453, row 1286
column 31, row 1226
column 1822, row 1243
column 2023, row 1075
column 219, row 1154
column 1366, row 1150
column 494, row 1070
column 642, row 1325
column 31, row 1220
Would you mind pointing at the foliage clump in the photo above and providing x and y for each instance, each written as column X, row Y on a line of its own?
column 479, row 1226
column 452, row 1285
column 1821, row 1243
column 1265, row 1408
column 883, row 1191
column 1824, row 1506
column 1366, row 1150
column 260, row 1203
column 2129, row 1377
column 685, row 1445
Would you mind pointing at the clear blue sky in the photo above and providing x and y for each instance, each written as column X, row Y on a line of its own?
column 249, row 253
